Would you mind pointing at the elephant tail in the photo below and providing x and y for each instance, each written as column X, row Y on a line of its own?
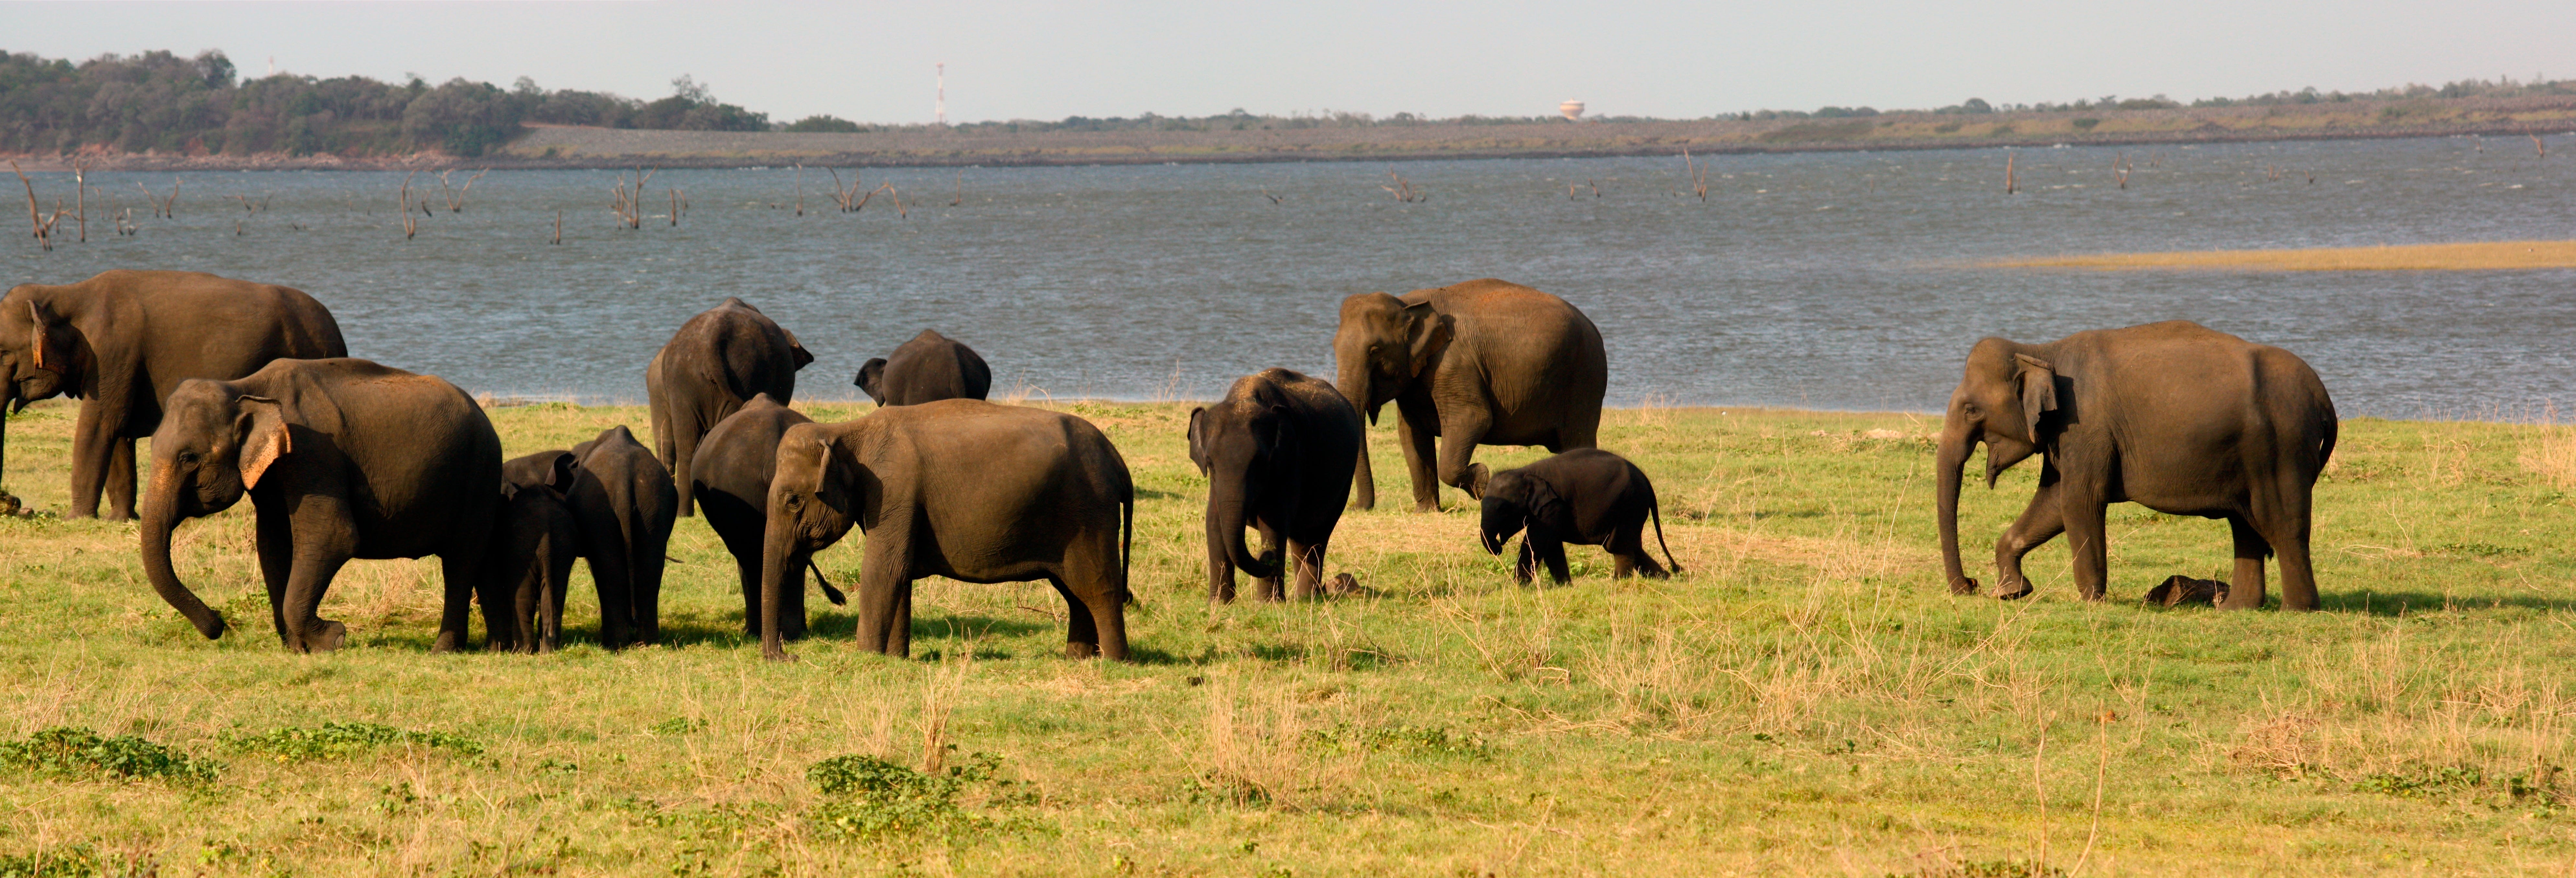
column 829, row 593
column 1657, row 511
column 1126, row 542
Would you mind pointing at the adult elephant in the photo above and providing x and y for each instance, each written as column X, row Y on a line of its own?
column 732, row 469
column 343, row 459
column 2173, row 416
column 1486, row 362
column 1278, row 452
column 960, row 488
column 624, row 504
column 718, row 360
column 122, row 341
column 928, row 368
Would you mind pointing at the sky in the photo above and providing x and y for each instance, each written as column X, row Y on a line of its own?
column 873, row 62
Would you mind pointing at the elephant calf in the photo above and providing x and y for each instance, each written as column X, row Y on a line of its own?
column 1278, row 452
column 928, row 368
column 960, row 488
column 626, row 504
column 732, row 470
column 534, row 541
column 1587, row 497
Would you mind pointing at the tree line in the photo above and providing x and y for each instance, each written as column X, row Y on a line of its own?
column 158, row 101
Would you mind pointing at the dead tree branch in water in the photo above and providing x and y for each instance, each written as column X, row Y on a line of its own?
column 2539, row 148
column 1403, row 189
column 960, row 197
column 2010, row 183
column 897, row 195
column 456, row 197
column 629, row 206
column 1265, row 193
column 80, row 188
column 1698, row 175
column 166, row 208
column 675, row 207
column 44, row 226
column 411, row 226
column 558, row 226
column 800, row 190
column 848, row 197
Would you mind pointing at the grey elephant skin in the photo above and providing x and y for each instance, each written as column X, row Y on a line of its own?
column 1585, row 496
column 535, row 539
column 342, row 459
column 929, row 368
column 1278, row 452
column 625, row 504
column 1486, row 362
column 2173, row 416
column 960, row 488
column 717, row 361
column 732, row 469
column 122, row 341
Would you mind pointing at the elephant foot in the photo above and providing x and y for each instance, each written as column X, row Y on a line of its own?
column 1963, row 585
column 448, row 641
column 1426, row 505
column 326, row 636
column 2014, row 588
column 1080, row 650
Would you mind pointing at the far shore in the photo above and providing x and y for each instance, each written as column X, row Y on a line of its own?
column 2467, row 256
column 570, row 147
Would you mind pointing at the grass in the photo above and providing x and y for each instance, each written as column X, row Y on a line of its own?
column 2479, row 256
column 1806, row 699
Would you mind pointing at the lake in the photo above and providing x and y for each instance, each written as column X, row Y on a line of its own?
column 1819, row 280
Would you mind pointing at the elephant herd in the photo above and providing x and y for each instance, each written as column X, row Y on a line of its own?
column 246, row 389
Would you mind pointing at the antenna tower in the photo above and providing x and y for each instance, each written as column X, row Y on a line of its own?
column 939, row 110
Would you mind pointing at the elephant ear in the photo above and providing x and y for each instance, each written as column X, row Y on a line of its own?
column 559, row 477
column 42, row 341
column 2038, row 392
column 1198, row 439
column 872, row 379
column 1283, row 434
column 260, row 435
column 796, row 349
column 1431, row 333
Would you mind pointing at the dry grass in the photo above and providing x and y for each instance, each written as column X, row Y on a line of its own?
column 2481, row 256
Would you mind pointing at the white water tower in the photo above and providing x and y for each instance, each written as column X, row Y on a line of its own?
column 1573, row 110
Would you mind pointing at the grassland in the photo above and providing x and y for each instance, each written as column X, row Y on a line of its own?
column 1806, row 699
column 2476, row 256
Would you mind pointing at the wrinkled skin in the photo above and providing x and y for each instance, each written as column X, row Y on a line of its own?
column 930, row 367
column 734, row 464
column 342, row 459
column 960, row 488
column 1486, row 362
column 718, row 360
column 625, row 504
column 534, row 541
column 2173, row 416
column 122, row 341
column 1278, row 452
column 1585, row 496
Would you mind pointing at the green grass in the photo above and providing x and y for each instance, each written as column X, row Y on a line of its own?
column 1807, row 698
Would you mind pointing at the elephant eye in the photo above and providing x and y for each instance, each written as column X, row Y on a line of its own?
column 793, row 500
column 188, row 458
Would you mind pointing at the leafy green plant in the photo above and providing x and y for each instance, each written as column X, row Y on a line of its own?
column 71, row 862
column 342, row 740
column 1404, row 739
column 870, row 798
column 68, row 751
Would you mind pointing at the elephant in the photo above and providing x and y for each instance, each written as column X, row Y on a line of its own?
column 121, row 341
column 929, row 367
column 961, row 488
column 342, row 458
column 2173, row 416
column 1486, row 362
column 1278, row 452
column 625, row 504
column 1584, row 496
column 718, row 360
column 733, row 467
column 534, row 541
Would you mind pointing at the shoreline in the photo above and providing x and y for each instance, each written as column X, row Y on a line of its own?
column 579, row 148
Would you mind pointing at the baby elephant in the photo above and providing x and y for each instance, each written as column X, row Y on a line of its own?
column 1584, row 496
column 929, row 368
column 534, row 541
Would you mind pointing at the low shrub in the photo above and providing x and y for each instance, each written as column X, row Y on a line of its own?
column 67, row 751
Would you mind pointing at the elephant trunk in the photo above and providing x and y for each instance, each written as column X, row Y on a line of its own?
column 161, row 516
column 781, row 557
column 1354, row 385
column 1225, row 522
column 1957, row 441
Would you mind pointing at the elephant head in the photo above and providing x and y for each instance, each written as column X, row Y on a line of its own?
column 37, row 352
column 1999, row 402
column 1512, row 499
column 1384, row 346
column 550, row 470
column 214, row 444
column 815, row 496
column 871, row 379
column 1241, row 448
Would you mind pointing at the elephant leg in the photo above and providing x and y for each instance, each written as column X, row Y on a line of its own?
column 1460, row 429
column 1270, row 586
column 1081, row 629
column 883, row 589
column 2245, row 590
column 1363, row 479
column 2298, row 578
column 1309, row 558
column 1552, row 551
column 1220, row 574
column 1527, row 565
column 2040, row 522
column 609, row 576
column 899, row 633
column 1419, row 456
column 276, row 546
column 1632, row 554
column 2088, row 540
column 323, row 541
column 791, row 609
column 685, row 433
column 1582, row 429
column 748, row 568
column 120, row 478
column 1620, row 566
column 645, row 572
column 527, row 605
column 459, row 565
column 92, row 436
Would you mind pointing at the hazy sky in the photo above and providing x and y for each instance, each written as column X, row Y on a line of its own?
column 872, row 61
